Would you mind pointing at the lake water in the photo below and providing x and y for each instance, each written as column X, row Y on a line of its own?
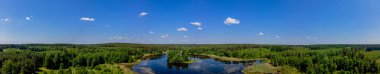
column 203, row 65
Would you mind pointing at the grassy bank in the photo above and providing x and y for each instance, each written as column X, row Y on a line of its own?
column 265, row 68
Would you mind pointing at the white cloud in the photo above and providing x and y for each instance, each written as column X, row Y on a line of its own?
column 196, row 23
column 199, row 28
column 277, row 37
column 165, row 36
column 28, row 18
column 87, row 19
column 4, row 20
column 143, row 14
column 185, row 36
column 230, row 69
column 181, row 29
column 146, row 70
column 230, row 21
column 151, row 32
column 260, row 34
column 312, row 37
column 116, row 38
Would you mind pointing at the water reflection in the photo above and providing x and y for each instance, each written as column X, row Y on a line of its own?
column 203, row 65
column 178, row 66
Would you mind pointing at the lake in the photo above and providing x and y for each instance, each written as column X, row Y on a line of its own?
column 203, row 65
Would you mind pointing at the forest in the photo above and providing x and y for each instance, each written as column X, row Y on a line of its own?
column 106, row 58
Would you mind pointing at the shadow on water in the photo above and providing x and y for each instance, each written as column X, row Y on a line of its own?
column 203, row 65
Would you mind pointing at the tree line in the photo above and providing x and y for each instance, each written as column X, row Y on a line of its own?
column 313, row 59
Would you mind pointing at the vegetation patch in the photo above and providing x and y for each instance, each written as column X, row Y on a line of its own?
column 178, row 56
column 99, row 69
column 265, row 68
column 260, row 68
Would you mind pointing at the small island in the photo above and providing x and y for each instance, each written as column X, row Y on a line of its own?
column 177, row 56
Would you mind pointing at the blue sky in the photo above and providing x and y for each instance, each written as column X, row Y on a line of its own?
column 190, row 21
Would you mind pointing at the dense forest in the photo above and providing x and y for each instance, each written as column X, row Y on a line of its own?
column 100, row 58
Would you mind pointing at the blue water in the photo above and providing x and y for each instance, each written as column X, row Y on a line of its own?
column 159, row 65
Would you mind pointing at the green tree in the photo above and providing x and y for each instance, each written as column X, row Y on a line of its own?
column 9, row 68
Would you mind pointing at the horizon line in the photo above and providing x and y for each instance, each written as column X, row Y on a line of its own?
column 185, row 43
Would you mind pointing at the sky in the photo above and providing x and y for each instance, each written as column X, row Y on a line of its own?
column 190, row 21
